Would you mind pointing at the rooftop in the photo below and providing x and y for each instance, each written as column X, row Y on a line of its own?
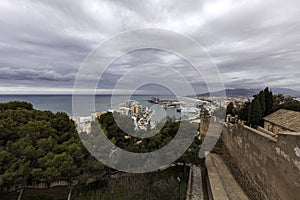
column 285, row 118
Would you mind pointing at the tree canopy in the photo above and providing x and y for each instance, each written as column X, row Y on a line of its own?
column 265, row 103
column 39, row 146
column 159, row 139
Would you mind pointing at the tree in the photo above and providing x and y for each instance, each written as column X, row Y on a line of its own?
column 255, row 113
column 288, row 103
column 261, row 106
column 244, row 111
column 262, row 101
column 13, row 105
column 278, row 100
column 269, row 101
column 39, row 146
column 230, row 109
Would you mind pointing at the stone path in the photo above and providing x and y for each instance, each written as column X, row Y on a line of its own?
column 196, row 192
column 222, row 182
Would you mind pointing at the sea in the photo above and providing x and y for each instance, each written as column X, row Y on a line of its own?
column 63, row 103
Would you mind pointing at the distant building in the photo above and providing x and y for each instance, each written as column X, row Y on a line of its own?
column 130, row 113
column 76, row 119
column 283, row 121
column 86, row 119
column 97, row 115
column 137, row 109
column 123, row 110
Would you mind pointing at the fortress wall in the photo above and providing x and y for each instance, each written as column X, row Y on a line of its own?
column 265, row 166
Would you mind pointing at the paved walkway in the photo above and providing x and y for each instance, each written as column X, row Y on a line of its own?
column 222, row 182
column 196, row 192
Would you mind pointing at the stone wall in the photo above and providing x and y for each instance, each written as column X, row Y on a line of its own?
column 265, row 166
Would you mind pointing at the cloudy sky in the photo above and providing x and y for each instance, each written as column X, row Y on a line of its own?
column 43, row 43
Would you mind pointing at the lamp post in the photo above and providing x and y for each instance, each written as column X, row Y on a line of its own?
column 178, row 179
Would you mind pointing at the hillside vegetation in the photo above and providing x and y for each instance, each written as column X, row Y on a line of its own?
column 40, row 146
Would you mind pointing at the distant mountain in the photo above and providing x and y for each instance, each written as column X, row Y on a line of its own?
column 250, row 92
column 232, row 92
column 285, row 91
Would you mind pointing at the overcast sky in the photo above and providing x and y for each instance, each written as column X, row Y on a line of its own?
column 254, row 43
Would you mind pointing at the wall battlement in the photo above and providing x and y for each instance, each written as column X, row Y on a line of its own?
column 267, row 167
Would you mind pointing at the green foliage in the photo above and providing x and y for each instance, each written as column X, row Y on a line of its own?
column 255, row 113
column 269, row 101
column 244, row 111
column 55, row 193
column 282, row 102
column 39, row 146
column 265, row 103
column 151, row 186
column 261, row 106
column 14, row 105
column 230, row 109
column 159, row 140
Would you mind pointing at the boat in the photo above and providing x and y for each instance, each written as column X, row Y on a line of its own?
column 190, row 110
column 199, row 106
column 153, row 100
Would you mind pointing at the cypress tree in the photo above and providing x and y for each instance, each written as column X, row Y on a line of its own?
column 244, row 111
column 256, row 115
column 268, row 101
column 262, row 100
column 230, row 109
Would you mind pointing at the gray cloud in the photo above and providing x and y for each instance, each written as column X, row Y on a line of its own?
column 8, row 73
column 254, row 43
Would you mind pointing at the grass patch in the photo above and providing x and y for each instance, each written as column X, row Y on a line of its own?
column 55, row 193
column 151, row 186
column 122, row 186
